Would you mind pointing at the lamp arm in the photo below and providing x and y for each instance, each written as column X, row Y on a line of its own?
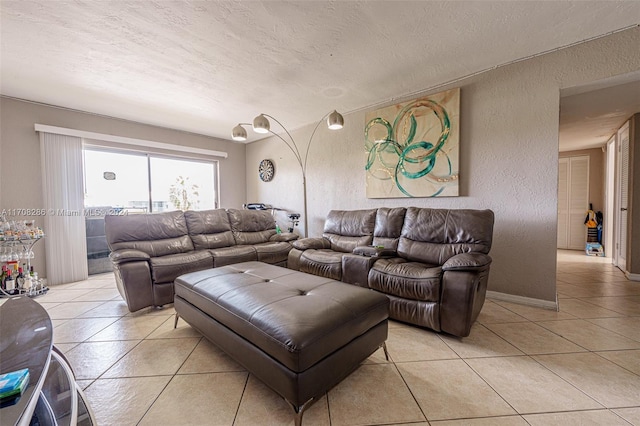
column 306, row 154
column 295, row 151
column 291, row 144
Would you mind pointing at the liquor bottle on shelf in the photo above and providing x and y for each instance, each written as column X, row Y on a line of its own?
column 26, row 285
column 35, row 283
column 20, row 280
column 3, row 276
column 9, row 283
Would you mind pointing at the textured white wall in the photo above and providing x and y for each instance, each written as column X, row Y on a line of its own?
column 508, row 159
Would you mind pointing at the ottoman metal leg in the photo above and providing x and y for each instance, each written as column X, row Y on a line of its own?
column 300, row 411
column 384, row 348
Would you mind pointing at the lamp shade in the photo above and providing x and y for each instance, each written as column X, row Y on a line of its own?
column 261, row 124
column 239, row 133
column 335, row 120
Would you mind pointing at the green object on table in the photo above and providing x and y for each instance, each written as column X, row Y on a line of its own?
column 13, row 383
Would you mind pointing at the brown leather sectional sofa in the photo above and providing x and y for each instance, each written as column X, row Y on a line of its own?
column 149, row 251
column 432, row 264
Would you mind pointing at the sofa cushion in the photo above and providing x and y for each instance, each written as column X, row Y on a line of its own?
column 209, row 229
column 347, row 229
column 165, row 269
column 421, row 313
column 157, row 234
column 273, row 252
column 388, row 227
column 323, row 263
column 432, row 236
column 408, row 280
column 234, row 254
column 251, row 226
column 311, row 243
column 347, row 244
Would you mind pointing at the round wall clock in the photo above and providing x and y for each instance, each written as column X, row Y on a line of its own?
column 266, row 170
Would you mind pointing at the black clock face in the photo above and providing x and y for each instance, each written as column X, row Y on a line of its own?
column 266, row 170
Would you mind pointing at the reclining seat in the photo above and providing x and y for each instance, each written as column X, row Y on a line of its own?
column 386, row 236
column 210, row 230
column 439, row 279
column 148, row 252
column 343, row 232
column 256, row 230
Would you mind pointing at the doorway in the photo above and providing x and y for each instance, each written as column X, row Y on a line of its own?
column 593, row 117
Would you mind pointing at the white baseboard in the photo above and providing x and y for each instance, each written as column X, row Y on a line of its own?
column 632, row 277
column 521, row 300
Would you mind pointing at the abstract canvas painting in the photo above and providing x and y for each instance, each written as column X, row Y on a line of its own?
column 412, row 148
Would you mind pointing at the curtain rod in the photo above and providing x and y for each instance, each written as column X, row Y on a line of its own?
column 125, row 140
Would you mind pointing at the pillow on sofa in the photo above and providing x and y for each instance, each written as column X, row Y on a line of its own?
column 209, row 229
column 388, row 227
column 348, row 229
column 432, row 236
column 251, row 226
column 157, row 234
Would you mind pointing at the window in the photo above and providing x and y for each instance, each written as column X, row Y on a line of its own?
column 178, row 184
column 140, row 183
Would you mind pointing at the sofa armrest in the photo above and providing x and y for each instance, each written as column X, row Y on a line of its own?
column 285, row 236
column 374, row 251
column 133, row 280
column 467, row 262
column 462, row 297
column 355, row 269
column 312, row 243
column 128, row 255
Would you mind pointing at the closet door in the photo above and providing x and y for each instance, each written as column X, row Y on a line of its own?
column 573, row 201
column 623, row 196
column 563, row 203
column 578, row 201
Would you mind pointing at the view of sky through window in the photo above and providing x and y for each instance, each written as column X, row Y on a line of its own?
column 121, row 180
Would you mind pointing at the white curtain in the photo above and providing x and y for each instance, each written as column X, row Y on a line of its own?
column 64, row 222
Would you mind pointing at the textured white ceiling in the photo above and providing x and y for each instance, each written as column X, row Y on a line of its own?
column 205, row 66
column 589, row 118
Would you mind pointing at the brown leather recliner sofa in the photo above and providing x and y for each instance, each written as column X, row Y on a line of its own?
column 148, row 251
column 433, row 264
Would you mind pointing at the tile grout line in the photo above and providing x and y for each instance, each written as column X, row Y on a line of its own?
column 170, row 380
column 244, row 389
column 409, row 389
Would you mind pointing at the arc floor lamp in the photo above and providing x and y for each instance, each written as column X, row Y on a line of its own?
column 261, row 124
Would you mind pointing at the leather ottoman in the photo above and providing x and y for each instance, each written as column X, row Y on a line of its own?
column 299, row 333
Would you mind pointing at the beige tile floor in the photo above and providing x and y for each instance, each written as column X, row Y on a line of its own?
column 520, row 365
